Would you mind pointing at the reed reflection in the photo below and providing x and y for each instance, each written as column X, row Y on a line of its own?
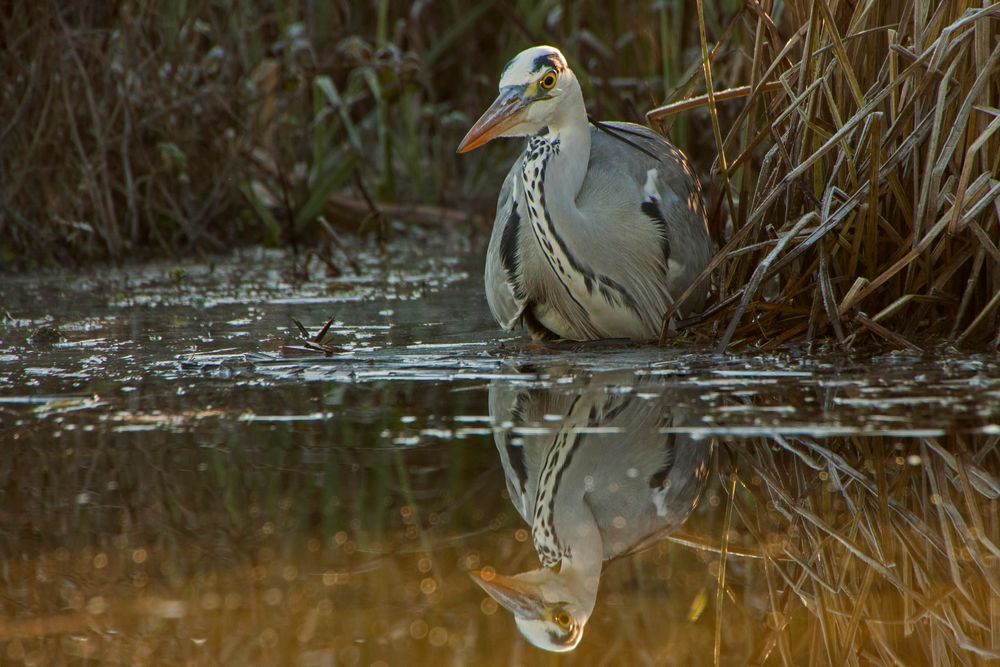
column 590, row 469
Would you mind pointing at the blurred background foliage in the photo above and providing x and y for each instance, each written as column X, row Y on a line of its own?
column 166, row 127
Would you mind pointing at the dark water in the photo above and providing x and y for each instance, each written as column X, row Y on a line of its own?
column 179, row 485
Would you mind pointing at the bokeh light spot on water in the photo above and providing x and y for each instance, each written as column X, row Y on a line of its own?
column 418, row 629
column 428, row 586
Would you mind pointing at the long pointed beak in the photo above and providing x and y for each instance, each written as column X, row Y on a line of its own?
column 502, row 114
column 515, row 596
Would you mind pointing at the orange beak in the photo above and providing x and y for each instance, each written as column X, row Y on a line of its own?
column 502, row 114
column 511, row 593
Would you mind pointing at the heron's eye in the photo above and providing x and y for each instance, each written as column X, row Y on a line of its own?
column 548, row 81
column 563, row 619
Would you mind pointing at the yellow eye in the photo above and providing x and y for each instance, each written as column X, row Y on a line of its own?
column 548, row 81
column 563, row 619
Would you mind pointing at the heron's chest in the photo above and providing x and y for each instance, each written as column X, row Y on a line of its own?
column 551, row 245
column 572, row 298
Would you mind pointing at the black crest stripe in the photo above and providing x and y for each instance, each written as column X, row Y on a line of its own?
column 508, row 252
column 652, row 210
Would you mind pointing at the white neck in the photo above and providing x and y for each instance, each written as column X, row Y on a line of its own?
column 552, row 173
column 563, row 153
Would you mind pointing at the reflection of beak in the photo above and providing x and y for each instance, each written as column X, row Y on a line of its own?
column 517, row 597
column 503, row 113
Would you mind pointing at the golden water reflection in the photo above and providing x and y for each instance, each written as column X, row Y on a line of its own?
column 241, row 542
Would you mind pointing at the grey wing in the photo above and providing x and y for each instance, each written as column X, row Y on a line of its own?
column 502, row 293
column 682, row 208
column 672, row 202
column 652, row 479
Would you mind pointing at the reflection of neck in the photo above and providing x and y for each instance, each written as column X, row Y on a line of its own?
column 564, row 529
column 583, row 559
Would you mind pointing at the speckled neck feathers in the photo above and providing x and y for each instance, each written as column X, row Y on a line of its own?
column 534, row 172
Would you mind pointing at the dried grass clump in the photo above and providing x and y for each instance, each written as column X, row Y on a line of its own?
column 149, row 127
column 113, row 130
column 858, row 191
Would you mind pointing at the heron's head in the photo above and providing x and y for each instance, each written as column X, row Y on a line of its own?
column 550, row 609
column 537, row 90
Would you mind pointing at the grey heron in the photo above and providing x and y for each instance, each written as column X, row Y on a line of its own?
column 598, row 226
column 602, row 483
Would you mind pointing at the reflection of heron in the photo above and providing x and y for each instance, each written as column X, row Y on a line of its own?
column 598, row 227
column 602, row 482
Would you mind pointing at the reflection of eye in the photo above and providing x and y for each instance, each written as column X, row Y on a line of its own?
column 548, row 81
column 563, row 619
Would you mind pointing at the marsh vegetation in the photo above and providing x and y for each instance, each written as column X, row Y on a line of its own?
column 849, row 150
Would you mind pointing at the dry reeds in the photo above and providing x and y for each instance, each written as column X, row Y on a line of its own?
column 152, row 128
column 856, row 192
column 112, row 138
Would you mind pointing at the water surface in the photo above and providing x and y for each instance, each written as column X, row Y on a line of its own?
column 184, row 481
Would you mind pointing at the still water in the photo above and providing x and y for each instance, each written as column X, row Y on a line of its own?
column 185, row 481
